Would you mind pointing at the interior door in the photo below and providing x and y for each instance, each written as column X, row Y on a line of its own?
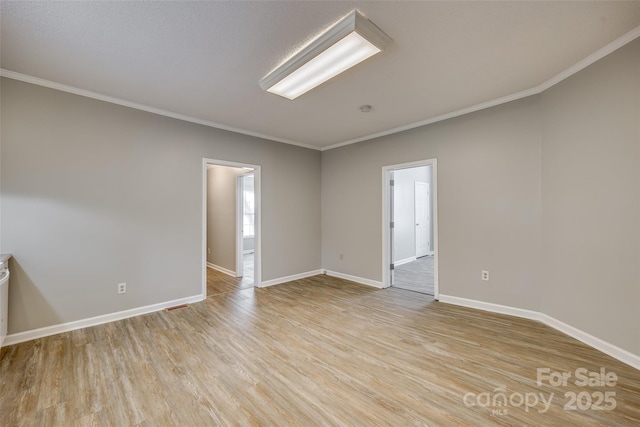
column 239, row 226
column 391, row 226
column 423, row 239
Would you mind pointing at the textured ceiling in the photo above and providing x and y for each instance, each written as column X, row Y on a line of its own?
column 204, row 59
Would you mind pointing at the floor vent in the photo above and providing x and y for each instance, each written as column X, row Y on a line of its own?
column 177, row 307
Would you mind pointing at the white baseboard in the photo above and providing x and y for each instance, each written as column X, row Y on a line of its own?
column 595, row 342
column 291, row 278
column 94, row 321
column 222, row 269
column 356, row 279
column 404, row 261
column 494, row 308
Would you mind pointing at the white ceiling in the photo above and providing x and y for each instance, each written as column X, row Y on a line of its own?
column 203, row 60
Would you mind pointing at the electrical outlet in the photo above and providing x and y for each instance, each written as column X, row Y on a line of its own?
column 209, row 251
column 122, row 288
column 341, row 257
column 485, row 275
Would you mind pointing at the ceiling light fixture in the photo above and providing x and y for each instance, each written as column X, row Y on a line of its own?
column 350, row 41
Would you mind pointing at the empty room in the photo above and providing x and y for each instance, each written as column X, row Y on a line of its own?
column 301, row 213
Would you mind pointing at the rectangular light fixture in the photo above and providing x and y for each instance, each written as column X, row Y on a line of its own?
column 350, row 41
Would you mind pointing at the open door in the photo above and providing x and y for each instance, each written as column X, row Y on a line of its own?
column 391, row 227
column 245, row 225
column 423, row 222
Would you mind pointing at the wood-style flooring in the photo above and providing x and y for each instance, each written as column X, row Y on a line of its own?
column 314, row 352
column 417, row 276
column 219, row 283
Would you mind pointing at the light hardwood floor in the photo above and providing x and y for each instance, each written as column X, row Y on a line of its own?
column 219, row 283
column 318, row 351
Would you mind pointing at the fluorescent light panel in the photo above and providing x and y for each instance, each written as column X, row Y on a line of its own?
column 349, row 42
column 343, row 55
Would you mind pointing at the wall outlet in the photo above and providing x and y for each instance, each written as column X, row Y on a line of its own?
column 122, row 288
column 208, row 251
column 341, row 257
column 485, row 275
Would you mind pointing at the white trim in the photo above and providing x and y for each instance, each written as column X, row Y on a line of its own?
column 386, row 232
column 404, row 261
column 239, row 255
column 435, row 237
column 119, row 101
column 205, row 250
column 494, row 308
column 356, row 279
column 257, row 226
column 4, row 300
column 595, row 342
column 597, row 55
column 240, row 252
column 221, row 269
column 290, row 278
column 442, row 117
column 97, row 320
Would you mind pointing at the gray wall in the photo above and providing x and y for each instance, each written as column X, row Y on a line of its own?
column 488, row 202
column 517, row 196
column 94, row 194
column 591, row 222
column 221, row 215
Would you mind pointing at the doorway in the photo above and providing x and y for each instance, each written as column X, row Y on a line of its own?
column 245, row 226
column 410, row 256
column 230, row 206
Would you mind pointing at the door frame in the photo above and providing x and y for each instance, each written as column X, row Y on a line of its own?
column 386, row 219
column 257, row 260
column 240, row 221
column 415, row 214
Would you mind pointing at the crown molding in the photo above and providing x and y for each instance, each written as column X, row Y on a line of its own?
column 596, row 56
column 599, row 54
column 119, row 101
column 456, row 113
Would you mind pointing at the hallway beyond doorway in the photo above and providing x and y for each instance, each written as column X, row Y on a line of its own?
column 220, row 283
column 247, row 270
column 415, row 276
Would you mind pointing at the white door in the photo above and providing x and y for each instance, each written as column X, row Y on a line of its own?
column 391, row 225
column 245, row 220
column 423, row 238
